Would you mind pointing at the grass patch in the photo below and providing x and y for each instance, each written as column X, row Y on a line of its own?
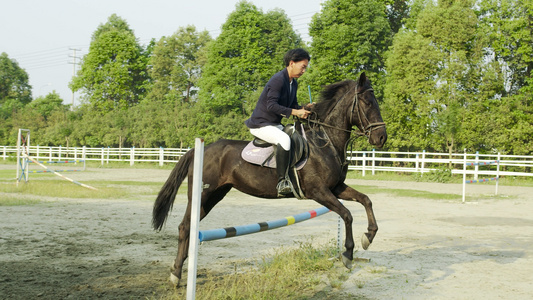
column 437, row 176
column 16, row 201
column 302, row 273
column 368, row 189
column 61, row 189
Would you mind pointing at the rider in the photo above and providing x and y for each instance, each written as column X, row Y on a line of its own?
column 278, row 100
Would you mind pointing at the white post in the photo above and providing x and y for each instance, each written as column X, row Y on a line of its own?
column 364, row 163
column 59, row 153
column 132, row 155
column 37, row 154
column 84, row 155
column 195, row 218
column 497, row 173
column 5, row 152
column 464, row 177
column 18, row 154
column 161, row 156
column 103, row 156
column 476, row 166
column 373, row 161
column 423, row 158
column 416, row 163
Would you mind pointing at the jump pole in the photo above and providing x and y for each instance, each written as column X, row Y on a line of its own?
column 56, row 173
column 485, row 163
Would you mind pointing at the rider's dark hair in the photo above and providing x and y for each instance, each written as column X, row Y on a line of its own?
column 295, row 55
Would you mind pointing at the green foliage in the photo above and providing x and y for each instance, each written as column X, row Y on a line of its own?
column 348, row 37
column 177, row 63
column 113, row 73
column 248, row 51
column 15, row 90
column 451, row 74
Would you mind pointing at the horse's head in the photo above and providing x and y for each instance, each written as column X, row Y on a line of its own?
column 365, row 114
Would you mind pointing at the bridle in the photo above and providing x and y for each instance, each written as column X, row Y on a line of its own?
column 363, row 130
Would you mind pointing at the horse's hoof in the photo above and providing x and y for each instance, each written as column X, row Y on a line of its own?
column 175, row 280
column 365, row 242
column 347, row 262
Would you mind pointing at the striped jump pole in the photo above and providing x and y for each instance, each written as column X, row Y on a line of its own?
column 221, row 233
column 58, row 174
column 484, row 163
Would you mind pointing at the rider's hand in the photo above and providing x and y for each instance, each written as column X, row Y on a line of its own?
column 300, row 113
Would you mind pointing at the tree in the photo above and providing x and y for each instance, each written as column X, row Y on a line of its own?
column 241, row 60
column 48, row 104
column 113, row 73
column 15, row 90
column 432, row 68
column 349, row 36
column 176, row 62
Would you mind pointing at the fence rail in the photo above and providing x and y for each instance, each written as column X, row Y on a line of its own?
column 364, row 161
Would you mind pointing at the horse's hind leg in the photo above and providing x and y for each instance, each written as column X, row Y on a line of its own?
column 345, row 192
column 209, row 200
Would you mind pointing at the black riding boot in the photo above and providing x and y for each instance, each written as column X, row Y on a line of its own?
column 282, row 169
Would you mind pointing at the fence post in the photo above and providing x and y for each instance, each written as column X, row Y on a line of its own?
column 102, row 156
column 464, row 176
column 416, row 163
column 107, row 160
column 364, row 163
column 373, row 161
column 37, row 154
column 497, row 174
column 59, row 153
column 423, row 158
column 83, row 154
column 161, row 156
column 132, row 155
column 476, row 167
column 75, row 155
column 50, row 153
column 5, row 152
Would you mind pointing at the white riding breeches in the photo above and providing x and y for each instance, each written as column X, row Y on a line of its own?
column 273, row 135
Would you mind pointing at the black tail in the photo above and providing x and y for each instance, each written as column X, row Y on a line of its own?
column 167, row 194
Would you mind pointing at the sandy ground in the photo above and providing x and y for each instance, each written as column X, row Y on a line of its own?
column 425, row 249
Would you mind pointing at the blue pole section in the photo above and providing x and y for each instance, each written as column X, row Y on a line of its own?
column 221, row 233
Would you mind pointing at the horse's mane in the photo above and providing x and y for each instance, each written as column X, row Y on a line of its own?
column 329, row 97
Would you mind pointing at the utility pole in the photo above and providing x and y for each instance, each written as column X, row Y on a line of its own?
column 74, row 62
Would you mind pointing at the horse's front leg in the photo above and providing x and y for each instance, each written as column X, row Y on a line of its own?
column 342, row 191
column 330, row 201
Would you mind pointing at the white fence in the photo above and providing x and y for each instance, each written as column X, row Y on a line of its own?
column 364, row 161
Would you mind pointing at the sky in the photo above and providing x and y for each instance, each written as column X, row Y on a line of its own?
column 41, row 35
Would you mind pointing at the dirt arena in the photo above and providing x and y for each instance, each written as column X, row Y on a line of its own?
column 65, row 248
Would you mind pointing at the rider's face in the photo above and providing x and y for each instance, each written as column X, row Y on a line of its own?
column 296, row 69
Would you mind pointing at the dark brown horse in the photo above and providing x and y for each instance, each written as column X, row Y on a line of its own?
column 343, row 105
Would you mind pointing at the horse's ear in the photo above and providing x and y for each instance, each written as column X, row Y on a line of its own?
column 362, row 79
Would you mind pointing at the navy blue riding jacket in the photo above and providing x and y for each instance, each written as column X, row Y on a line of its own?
column 276, row 101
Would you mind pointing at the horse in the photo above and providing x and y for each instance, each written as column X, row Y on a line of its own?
column 343, row 105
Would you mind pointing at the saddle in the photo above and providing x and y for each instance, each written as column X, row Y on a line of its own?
column 262, row 153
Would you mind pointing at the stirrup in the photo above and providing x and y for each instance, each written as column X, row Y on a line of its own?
column 284, row 188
